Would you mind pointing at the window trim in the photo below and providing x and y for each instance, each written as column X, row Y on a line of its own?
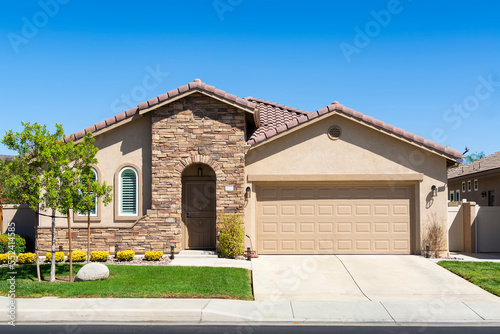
column 79, row 218
column 476, row 185
column 457, row 196
column 120, row 192
column 469, row 186
column 119, row 216
column 451, row 198
column 463, row 186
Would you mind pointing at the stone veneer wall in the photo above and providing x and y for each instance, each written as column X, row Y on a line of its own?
column 179, row 139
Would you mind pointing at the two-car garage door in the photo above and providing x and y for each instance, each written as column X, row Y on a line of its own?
column 333, row 219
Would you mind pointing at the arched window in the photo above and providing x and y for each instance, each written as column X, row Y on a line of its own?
column 128, row 192
column 93, row 212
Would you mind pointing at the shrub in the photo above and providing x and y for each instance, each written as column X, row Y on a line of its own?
column 25, row 258
column 78, row 256
column 232, row 236
column 99, row 256
column 126, row 255
column 20, row 244
column 59, row 257
column 4, row 258
column 153, row 255
column 436, row 236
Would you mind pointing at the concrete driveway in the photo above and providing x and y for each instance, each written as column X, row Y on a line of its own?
column 359, row 278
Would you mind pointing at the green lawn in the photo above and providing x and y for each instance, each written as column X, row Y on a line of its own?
column 136, row 282
column 483, row 274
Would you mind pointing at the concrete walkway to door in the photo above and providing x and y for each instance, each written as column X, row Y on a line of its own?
column 359, row 278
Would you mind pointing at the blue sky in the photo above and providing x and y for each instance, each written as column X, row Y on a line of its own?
column 429, row 67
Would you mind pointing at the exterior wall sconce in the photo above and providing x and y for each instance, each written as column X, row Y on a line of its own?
column 172, row 248
column 200, row 171
column 248, row 193
column 483, row 194
column 434, row 190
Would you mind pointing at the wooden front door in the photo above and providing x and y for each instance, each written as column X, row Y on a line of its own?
column 199, row 214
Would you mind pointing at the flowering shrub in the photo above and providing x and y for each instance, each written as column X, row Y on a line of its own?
column 25, row 258
column 99, row 256
column 20, row 244
column 59, row 257
column 153, row 255
column 78, row 256
column 127, row 255
column 4, row 258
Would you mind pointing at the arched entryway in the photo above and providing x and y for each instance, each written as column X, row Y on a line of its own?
column 198, row 207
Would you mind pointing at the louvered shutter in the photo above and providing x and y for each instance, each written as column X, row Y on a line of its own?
column 128, row 192
column 93, row 212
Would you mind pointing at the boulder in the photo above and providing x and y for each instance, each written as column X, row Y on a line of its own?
column 92, row 272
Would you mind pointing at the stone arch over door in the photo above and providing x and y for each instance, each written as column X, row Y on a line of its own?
column 199, row 203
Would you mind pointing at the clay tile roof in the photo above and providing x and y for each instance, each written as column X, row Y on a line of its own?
column 482, row 165
column 281, row 118
column 196, row 85
column 275, row 118
column 272, row 116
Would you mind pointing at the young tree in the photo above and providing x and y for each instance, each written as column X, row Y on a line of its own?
column 473, row 157
column 51, row 172
column 90, row 187
column 69, row 182
column 26, row 171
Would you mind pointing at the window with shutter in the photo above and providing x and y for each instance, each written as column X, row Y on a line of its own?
column 128, row 192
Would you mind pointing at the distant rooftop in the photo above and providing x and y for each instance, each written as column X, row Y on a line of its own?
column 485, row 164
column 6, row 157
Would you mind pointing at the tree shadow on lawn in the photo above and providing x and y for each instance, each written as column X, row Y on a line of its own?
column 28, row 272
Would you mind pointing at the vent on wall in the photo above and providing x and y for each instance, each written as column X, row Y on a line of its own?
column 334, row 132
column 198, row 115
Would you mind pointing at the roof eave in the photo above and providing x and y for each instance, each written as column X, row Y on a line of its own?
column 354, row 116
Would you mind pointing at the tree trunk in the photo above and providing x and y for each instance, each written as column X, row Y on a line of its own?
column 1, row 210
column 88, row 227
column 88, row 237
column 53, row 248
column 37, row 222
column 70, row 249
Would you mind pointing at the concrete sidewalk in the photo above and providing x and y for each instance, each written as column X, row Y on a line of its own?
column 216, row 311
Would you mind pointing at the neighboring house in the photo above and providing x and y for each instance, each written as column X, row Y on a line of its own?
column 6, row 157
column 334, row 181
column 476, row 182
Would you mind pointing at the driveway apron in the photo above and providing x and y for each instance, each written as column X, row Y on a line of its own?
column 303, row 277
column 359, row 278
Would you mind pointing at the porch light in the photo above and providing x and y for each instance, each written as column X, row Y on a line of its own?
column 248, row 193
column 434, row 190
column 483, row 194
column 200, row 171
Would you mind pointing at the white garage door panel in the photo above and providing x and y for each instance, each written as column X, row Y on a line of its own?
column 333, row 220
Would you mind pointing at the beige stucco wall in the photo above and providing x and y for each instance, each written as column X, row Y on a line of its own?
column 22, row 217
column 487, row 181
column 360, row 150
column 128, row 144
